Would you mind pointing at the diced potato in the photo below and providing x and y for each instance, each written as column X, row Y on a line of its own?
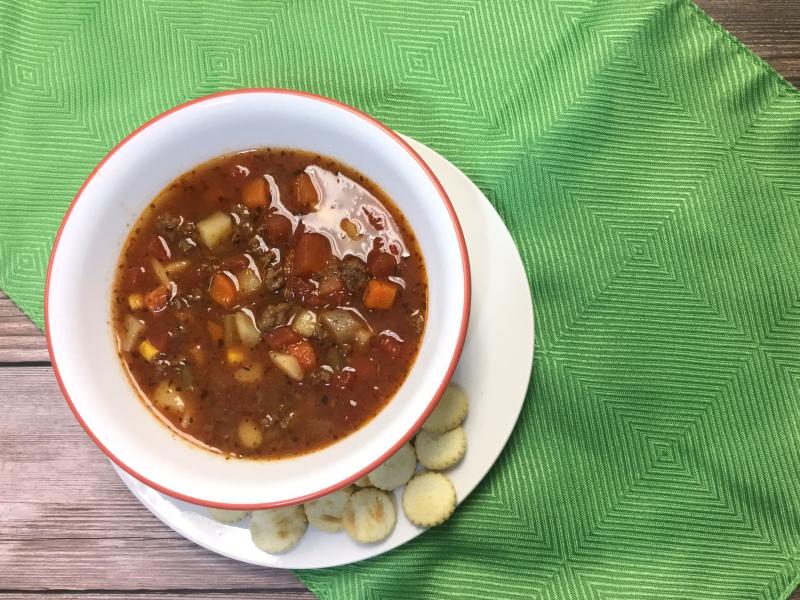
column 159, row 271
column 176, row 266
column 215, row 229
column 362, row 337
column 166, row 397
column 251, row 373
column 148, row 350
column 288, row 364
column 246, row 328
column 133, row 329
column 305, row 322
column 249, row 281
column 250, row 435
column 235, row 356
column 136, row 301
column 343, row 325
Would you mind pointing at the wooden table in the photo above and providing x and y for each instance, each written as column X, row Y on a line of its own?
column 68, row 526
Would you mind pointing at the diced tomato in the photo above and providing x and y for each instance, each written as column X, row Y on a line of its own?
column 236, row 262
column 134, row 276
column 255, row 193
column 390, row 346
column 307, row 197
column 304, row 352
column 158, row 248
column 311, row 253
column 381, row 264
column 223, row 290
column 343, row 380
column 278, row 228
column 160, row 339
column 157, row 299
column 380, row 294
column 282, row 337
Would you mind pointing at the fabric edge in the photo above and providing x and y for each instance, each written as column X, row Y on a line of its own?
column 740, row 47
column 36, row 318
column 317, row 590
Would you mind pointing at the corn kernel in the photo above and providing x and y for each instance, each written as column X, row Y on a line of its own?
column 147, row 350
column 136, row 301
column 235, row 356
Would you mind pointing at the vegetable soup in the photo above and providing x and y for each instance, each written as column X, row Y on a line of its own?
column 270, row 302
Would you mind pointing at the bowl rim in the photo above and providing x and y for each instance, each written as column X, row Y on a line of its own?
column 467, row 293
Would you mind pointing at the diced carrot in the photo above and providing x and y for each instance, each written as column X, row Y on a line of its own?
column 255, row 193
column 281, row 337
column 311, row 253
column 278, row 228
column 215, row 330
column 223, row 290
column 158, row 248
column 380, row 294
column 157, row 299
column 304, row 353
column 307, row 197
column 381, row 264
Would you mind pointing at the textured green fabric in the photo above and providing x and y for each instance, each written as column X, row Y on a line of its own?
column 647, row 166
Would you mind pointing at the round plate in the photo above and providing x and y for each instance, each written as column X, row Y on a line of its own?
column 494, row 371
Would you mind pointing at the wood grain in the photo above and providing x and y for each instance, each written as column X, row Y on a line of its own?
column 68, row 526
column 20, row 340
column 67, row 521
column 257, row 594
column 771, row 28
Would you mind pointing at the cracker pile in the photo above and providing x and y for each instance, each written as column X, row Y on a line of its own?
column 366, row 510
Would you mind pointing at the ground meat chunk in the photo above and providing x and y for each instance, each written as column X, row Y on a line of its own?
column 173, row 228
column 354, row 274
column 274, row 315
column 274, row 277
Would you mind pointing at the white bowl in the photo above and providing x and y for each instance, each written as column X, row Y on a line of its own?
column 87, row 247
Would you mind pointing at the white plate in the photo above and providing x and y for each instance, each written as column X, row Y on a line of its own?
column 494, row 370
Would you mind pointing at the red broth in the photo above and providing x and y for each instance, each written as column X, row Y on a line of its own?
column 269, row 303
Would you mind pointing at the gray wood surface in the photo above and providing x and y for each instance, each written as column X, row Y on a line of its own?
column 68, row 526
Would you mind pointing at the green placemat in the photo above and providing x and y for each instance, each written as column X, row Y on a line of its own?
column 647, row 166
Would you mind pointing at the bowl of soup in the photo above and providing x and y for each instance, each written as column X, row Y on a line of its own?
column 256, row 298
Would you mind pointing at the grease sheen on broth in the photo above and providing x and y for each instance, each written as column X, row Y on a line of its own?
column 268, row 303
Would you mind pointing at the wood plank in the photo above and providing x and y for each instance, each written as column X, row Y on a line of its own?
column 68, row 522
column 259, row 594
column 770, row 28
column 20, row 339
